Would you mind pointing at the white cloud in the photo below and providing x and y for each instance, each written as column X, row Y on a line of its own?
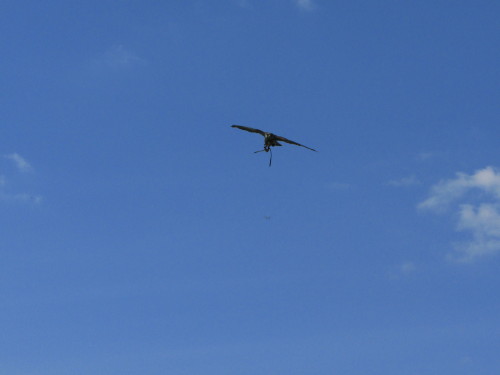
column 20, row 162
column 243, row 3
column 405, row 181
column 483, row 222
column 22, row 166
column 338, row 185
column 407, row 268
column 20, row 197
column 487, row 180
column 402, row 270
column 479, row 218
column 424, row 156
column 306, row 4
column 118, row 56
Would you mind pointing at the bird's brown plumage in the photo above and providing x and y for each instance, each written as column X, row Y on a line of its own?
column 270, row 137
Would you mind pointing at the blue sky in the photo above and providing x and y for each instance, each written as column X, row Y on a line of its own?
column 140, row 234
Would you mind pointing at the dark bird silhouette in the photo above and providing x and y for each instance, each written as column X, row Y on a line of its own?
column 270, row 140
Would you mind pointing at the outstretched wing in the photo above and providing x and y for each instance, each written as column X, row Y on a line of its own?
column 248, row 129
column 283, row 139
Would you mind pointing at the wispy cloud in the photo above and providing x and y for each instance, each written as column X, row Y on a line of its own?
column 20, row 197
column 486, row 180
column 8, row 191
column 118, row 56
column 404, row 181
column 483, row 222
column 338, row 185
column 424, row 156
column 308, row 5
column 477, row 214
column 20, row 162
column 406, row 268
column 402, row 270
column 244, row 3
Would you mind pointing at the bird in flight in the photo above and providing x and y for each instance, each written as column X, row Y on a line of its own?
column 270, row 140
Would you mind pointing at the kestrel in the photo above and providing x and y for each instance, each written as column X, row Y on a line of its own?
column 270, row 140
